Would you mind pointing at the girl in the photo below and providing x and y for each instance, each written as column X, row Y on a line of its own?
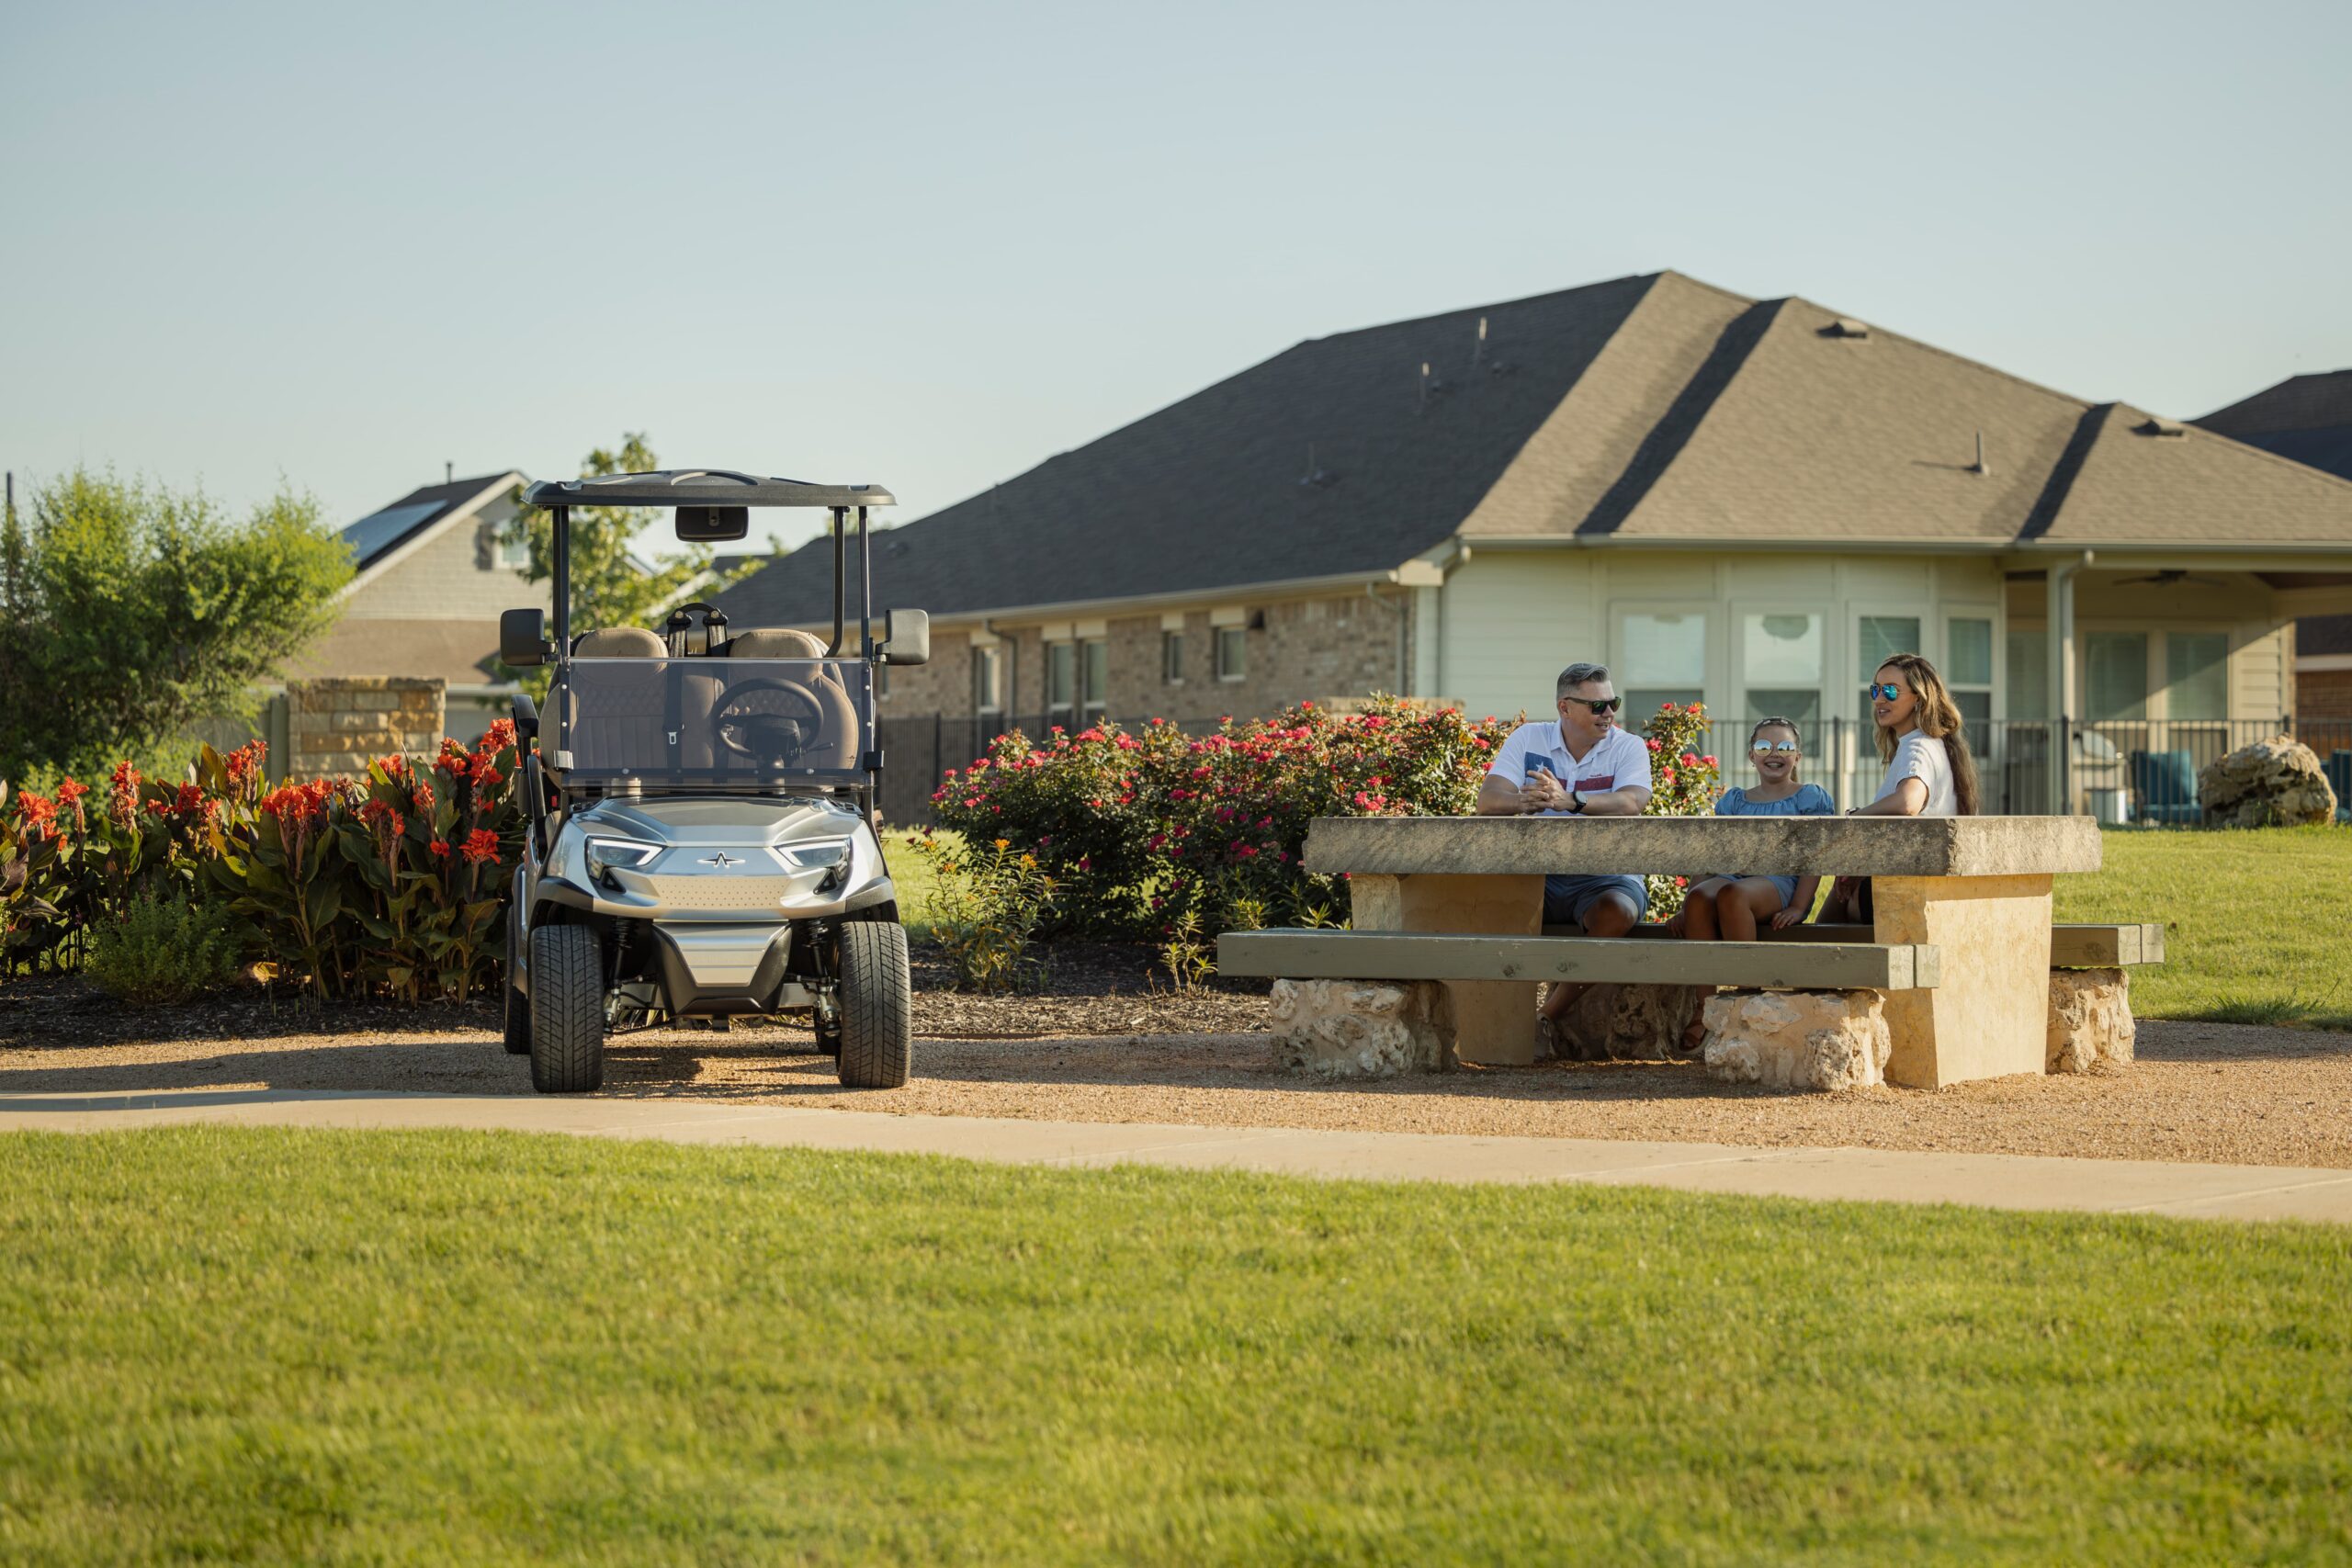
column 1928, row 770
column 1729, row 907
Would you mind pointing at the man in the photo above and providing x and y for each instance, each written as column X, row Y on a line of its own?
column 1582, row 765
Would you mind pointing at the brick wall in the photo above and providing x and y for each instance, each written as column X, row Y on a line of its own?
column 336, row 726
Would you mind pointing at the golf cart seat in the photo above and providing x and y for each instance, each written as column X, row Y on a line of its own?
column 620, row 642
column 840, row 715
column 654, row 710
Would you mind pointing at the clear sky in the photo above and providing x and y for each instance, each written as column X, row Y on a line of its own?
column 929, row 246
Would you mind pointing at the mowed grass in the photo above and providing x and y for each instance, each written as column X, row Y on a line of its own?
column 274, row 1346
column 2258, row 923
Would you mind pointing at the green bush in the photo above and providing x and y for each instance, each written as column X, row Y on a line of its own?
column 164, row 951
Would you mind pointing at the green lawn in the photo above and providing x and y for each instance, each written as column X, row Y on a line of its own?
column 2259, row 922
column 322, row 1347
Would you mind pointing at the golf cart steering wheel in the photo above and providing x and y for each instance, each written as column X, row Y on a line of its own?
column 773, row 732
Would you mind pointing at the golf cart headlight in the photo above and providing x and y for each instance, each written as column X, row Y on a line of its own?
column 816, row 857
column 604, row 855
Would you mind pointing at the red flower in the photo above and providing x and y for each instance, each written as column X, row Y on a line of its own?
column 482, row 844
column 423, row 795
column 39, row 812
column 245, row 763
column 440, row 849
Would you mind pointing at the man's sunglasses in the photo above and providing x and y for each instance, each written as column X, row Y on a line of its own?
column 1775, row 748
column 1604, row 706
column 1887, row 691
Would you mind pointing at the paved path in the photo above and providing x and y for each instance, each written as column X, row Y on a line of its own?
column 2002, row 1181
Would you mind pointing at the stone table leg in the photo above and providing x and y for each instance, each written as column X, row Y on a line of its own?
column 1493, row 1020
column 1989, row 1012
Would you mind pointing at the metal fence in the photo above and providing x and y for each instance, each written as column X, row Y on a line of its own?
column 2140, row 774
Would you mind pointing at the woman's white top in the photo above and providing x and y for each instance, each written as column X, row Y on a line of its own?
column 1921, row 756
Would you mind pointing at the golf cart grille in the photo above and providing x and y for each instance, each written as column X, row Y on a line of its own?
column 721, row 892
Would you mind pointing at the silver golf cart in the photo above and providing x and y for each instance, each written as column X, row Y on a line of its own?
column 702, row 839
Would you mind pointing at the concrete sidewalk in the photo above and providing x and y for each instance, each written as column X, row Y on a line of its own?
column 2000, row 1181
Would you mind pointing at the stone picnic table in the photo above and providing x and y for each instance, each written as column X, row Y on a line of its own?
column 1962, row 906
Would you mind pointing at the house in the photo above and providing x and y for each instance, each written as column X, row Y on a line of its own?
column 1744, row 502
column 432, row 571
column 2308, row 418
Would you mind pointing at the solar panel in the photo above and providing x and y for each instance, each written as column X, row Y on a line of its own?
column 374, row 532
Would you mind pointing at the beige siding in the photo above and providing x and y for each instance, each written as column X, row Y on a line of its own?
column 454, row 576
column 2262, row 666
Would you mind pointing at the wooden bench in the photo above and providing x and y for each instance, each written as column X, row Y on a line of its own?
column 1962, row 946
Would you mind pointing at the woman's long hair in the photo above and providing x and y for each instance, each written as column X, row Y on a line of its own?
column 1774, row 721
column 1940, row 719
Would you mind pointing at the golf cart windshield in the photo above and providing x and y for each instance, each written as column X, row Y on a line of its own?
column 705, row 722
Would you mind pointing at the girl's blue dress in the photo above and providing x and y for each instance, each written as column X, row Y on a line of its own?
column 1810, row 800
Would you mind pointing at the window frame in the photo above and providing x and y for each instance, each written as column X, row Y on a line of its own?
column 1093, row 657
column 1061, row 660
column 1823, row 611
column 987, row 679
column 2160, row 669
column 1240, row 636
column 1171, row 657
column 1708, row 612
column 1995, row 655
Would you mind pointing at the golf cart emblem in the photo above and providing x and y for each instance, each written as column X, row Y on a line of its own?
column 722, row 860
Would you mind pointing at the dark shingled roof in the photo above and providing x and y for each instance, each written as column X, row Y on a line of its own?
column 386, row 529
column 1646, row 410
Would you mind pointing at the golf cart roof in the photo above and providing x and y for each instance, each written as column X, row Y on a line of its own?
column 699, row 487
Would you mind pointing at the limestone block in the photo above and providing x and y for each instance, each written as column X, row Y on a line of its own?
column 2090, row 1018
column 1627, row 1023
column 2274, row 782
column 1359, row 1029
column 1821, row 1039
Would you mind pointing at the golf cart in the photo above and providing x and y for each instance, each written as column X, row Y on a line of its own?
column 701, row 841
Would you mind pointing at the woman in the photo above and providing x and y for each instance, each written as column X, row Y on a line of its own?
column 1928, row 770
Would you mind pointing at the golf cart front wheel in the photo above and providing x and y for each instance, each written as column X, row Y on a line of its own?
column 567, row 1010
column 877, row 1006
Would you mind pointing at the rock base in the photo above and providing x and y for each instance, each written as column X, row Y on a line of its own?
column 2277, row 783
column 2090, row 1020
column 1361, row 1029
column 1816, row 1040
column 1626, row 1023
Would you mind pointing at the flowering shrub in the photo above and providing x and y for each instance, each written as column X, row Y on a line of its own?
column 1685, row 779
column 986, row 902
column 386, row 885
column 1142, row 830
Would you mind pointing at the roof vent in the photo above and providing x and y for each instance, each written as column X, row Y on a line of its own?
column 2171, row 428
column 1846, row 326
column 1432, row 385
column 1317, row 477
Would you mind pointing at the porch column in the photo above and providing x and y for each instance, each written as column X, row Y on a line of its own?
column 2060, row 624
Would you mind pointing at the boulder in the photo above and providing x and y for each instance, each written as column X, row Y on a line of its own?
column 2090, row 1018
column 2277, row 783
column 1626, row 1023
column 1817, row 1040
column 1360, row 1028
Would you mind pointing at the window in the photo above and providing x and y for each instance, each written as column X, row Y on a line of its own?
column 987, row 689
column 512, row 552
column 1062, row 681
column 1232, row 653
column 1094, row 666
column 1171, row 657
column 1780, row 665
column 2115, row 677
column 1877, row 638
column 1660, row 659
column 2029, row 682
column 2196, row 676
column 1968, row 669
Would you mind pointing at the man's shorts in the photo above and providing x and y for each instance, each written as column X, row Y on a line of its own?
column 1567, row 898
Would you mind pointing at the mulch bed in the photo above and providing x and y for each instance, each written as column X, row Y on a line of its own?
column 1084, row 989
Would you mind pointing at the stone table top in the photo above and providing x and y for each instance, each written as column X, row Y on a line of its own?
column 1701, row 846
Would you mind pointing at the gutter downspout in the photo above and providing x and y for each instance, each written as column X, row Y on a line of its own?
column 2059, row 622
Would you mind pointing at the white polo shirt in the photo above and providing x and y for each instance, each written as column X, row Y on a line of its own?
column 1619, row 761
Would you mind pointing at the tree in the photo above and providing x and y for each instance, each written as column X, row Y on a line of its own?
column 609, row 586
column 143, row 610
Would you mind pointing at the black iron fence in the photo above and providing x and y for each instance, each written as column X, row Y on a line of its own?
column 2135, row 773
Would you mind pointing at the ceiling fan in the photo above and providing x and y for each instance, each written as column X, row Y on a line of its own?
column 2169, row 576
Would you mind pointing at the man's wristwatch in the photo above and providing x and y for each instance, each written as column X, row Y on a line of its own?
column 1576, row 800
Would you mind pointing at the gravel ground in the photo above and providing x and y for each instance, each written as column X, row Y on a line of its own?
column 2202, row 1092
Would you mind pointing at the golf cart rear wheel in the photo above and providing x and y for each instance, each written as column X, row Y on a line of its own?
column 567, row 1010
column 517, row 1021
column 877, row 1006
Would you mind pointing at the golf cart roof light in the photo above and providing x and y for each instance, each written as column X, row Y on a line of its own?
column 700, row 487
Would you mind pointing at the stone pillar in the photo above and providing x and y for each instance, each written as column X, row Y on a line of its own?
column 1818, row 1039
column 1359, row 1029
column 1989, row 1014
column 2090, row 1020
column 338, row 725
column 1493, row 1020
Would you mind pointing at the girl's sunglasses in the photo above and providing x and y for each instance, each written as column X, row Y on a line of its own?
column 1885, row 691
column 1605, row 705
column 1774, row 747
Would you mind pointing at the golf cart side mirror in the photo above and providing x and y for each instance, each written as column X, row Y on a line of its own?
column 713, row 525
column 523, row 638
column 906, row 638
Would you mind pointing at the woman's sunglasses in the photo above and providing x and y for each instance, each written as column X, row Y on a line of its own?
column 1605, row 705
column 1885, row 691
column 1774, row 747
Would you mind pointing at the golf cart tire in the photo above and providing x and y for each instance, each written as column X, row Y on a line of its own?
column 517, row 1021
column 567, row 1010
column 877, row 1006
